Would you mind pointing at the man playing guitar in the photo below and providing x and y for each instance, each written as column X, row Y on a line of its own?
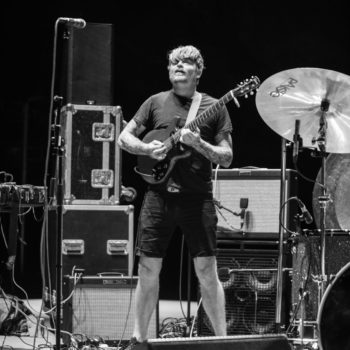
column 180, row 195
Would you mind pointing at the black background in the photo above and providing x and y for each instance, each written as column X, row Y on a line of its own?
column 237, row 40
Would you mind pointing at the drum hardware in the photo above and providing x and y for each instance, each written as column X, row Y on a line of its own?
column 307, row 344
column 312, row 103
column 303, row 297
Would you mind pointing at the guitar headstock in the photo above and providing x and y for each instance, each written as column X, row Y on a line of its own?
column 247, row 87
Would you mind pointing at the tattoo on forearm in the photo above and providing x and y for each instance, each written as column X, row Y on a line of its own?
column 216, row 154
column 132, row 144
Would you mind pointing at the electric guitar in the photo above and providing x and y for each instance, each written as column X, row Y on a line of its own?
column 157, row 172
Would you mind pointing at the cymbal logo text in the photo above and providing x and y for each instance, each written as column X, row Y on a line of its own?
column 282, row 89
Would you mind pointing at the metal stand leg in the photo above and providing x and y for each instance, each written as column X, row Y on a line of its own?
column 279, row 286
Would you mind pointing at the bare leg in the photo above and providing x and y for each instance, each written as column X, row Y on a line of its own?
column 146, row 294
column 213, row 296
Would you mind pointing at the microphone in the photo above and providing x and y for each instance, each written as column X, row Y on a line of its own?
column 243, row 204
column 74, row 22
column 296, row 139
column 306, row 214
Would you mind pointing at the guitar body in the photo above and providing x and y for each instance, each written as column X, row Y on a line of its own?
column 154, row 171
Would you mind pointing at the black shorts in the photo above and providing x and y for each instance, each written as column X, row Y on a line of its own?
column 161, row 213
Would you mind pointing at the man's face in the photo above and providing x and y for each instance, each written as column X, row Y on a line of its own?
column 183, row 71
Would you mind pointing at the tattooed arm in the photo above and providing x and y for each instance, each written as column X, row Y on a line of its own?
column 221, row 153
column 128, row 140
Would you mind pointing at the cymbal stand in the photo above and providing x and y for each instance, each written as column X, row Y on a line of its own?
column 279, row 286
column 324, row 197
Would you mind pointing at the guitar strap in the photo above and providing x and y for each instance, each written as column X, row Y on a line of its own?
column 196, row 101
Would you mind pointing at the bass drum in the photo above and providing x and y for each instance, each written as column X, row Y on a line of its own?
column 333, row 319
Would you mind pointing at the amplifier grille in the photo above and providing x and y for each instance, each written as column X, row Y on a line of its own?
column 104, row 310
column 261, row 188
column 249, row 279
column 263, row 204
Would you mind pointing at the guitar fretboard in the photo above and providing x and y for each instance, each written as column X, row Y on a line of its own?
column 240, row 90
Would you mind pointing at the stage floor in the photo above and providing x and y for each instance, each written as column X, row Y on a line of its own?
column 167, row 309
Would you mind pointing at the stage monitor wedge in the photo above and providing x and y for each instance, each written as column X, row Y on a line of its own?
column 251, row 342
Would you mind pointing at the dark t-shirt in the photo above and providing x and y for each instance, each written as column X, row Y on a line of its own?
column 191, row 174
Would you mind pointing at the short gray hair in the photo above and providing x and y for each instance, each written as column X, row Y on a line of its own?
column 187, row 52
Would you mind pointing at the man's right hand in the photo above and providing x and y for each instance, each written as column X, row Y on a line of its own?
column 156, row 150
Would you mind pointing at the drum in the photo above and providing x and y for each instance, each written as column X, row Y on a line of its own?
column 306, row 252
column 338, row 188
column 333, row 319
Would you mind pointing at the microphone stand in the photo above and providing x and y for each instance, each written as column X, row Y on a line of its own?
column 324, row 198
column 57, row 145
column 58, row 152
column 188, row 318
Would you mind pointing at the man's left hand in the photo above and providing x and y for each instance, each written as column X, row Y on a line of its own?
column 190, row 138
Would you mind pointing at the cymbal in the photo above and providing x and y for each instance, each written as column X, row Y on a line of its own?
column 338, row 188
column 297, row 94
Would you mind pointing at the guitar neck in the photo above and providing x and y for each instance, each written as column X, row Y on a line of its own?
column 241, row 90
column 173, row 139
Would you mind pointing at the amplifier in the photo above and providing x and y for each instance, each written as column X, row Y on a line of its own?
column 248, row 273
column 259, row 191
column 102, row 306
column 251, row 342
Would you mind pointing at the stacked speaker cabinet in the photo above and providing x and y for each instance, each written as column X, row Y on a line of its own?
column 92, row 160
column 249, row 211
column 97, row 239
column 97, row 231
column 87, row 64
column 248, row 273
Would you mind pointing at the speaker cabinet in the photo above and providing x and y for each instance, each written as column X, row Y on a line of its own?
column 260, row 189
column 266, row 342
column 87, row 64
column 248, row 273
column 92, row 158
column 307, row 268
column 102, row 306
column 95, row 238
